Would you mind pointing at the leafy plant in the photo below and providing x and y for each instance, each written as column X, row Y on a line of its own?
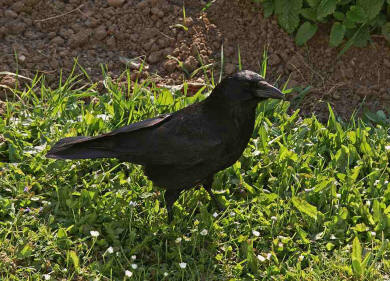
column 353, row 20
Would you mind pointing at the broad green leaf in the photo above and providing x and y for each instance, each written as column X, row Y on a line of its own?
column 339, row 15
column 371, row 7
column 304, row 207
column 357, row 257
column 356, row 14
column 337, row 34
column 326, row 7
column 75, row 259
column 305, row 32
column 288, row 13
column 309, row 13
column 386, row 31
column 313, row 3
column 268, row 8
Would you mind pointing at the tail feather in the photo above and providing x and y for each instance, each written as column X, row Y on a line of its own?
column 81, row 148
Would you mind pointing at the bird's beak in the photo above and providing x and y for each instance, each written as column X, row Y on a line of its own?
column 266, row 90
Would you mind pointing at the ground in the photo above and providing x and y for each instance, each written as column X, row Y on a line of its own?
column 46, row 36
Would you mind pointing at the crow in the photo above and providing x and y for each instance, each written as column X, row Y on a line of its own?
column 186, row 148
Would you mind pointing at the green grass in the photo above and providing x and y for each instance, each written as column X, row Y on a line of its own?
column 306, row 201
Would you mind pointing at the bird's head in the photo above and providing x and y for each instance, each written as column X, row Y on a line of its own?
column 245, row 86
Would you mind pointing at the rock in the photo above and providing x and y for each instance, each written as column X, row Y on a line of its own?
column 115, row 3
column 188, row 21
column 170, row 65
column 190, row 63
column 80, row 38
column 57, row 40
column 154, row 57
column 229, row 68
column 16, row 27
column 100, row 33
column 273, row 60
column 386, row 62
column 157, row 11
column 10, row 14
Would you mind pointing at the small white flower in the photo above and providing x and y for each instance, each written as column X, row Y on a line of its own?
column 232, row 214
column 46, row 276
column 94, row 233
column 204, row 232
column 336, row 206
column 261, row 258
column 133, row 257
column 273, row 218
column 332, row 237
column 110, row 250
column 215, row 214
column 105, row 117
column 368, row 203
column 256, row 233
column 280, row 245
column 132, row 203
column 386, row 182
column 128, row 273
column 183, row 265
column 373, row 233
column 269, row 255
column 134, row 266
column 178, row 240
column 338, row 195
column 166, row 274
column 376, row 182
column 387, row 147
column 65, row 270
column 300, row 258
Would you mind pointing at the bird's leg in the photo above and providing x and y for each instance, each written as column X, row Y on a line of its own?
column 170, row 197
column 207, row 185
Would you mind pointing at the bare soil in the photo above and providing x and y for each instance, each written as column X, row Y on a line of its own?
column 45, row 36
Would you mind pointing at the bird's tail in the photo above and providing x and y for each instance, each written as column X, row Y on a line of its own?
column 82, row 148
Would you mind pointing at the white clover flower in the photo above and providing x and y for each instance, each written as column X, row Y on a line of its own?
column 274, row 218
column 94, row 233
column 269, row 255
column 332, row 237
column 133, row 257
column 204, row 232
column 387, row 147
column 128, row 273
column 261, row 258
column 256, row 233
column 300, row 258
column 338, row 195
column 166, row 274
column 215, row 214
column 134, row 266
column 110, row 250
column 178, row 240
column 182, row 265
column 376, row 182
column 46, row 276
column 373, row 233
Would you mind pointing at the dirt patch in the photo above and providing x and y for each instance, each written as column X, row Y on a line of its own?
column 47, row 35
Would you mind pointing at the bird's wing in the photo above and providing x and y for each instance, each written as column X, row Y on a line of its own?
column 99, row 146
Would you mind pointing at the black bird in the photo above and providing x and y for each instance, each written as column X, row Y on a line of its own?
column 185, row 148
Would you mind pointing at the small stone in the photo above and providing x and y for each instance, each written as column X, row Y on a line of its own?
column 273, row 60
column 80, row 38
column 154, row 57
column 10, row 14
column 188, row 21
column 190, row 63
column 386, row 62
column 100, row 33
column 115, row 3
column 170, row 65
column 157, row 11
column 17, row 27
column 229, row 68
column 57, row 40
